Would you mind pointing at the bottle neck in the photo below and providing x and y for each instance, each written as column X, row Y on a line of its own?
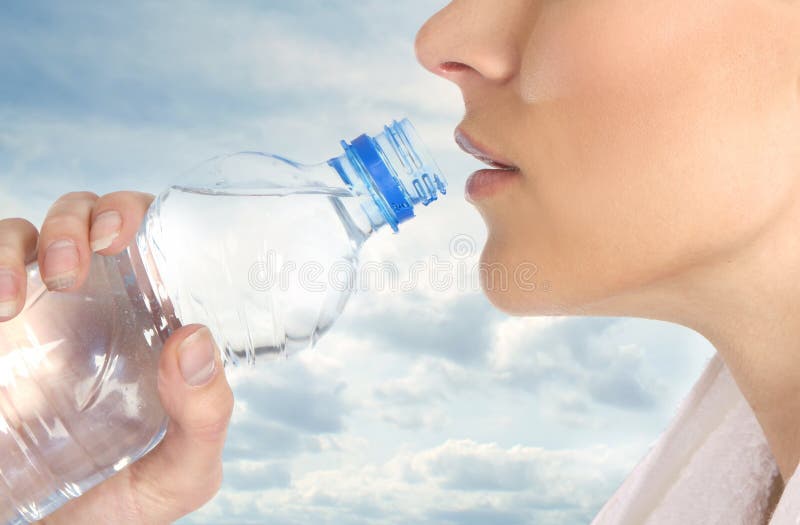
column 394, row 169
column 368, row 198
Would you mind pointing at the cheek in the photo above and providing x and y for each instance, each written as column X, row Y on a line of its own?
column 646, row 157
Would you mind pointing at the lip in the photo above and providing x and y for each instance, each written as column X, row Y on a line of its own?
column 486, row 182
column 480, row 151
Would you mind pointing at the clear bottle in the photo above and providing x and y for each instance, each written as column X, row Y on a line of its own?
column 261, row 249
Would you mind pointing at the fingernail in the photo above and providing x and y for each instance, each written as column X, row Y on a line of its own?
column 196, row 357
column 8, row 293
column 105, row 229
column 61, row 264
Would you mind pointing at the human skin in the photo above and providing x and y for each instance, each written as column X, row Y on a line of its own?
column 658, row 147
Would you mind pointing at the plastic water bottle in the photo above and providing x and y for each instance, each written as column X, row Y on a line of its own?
column 259, row 248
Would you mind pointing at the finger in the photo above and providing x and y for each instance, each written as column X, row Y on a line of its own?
column 17, row 247
column 185, row 470
column 115, row 220
column 64, row 241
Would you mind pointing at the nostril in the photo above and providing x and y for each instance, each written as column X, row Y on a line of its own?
column 453, row 67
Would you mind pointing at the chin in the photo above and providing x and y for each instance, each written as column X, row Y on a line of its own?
column 505, row 286
column 529, row 304
column 508, row 302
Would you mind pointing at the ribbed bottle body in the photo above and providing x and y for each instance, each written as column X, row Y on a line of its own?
column 267, row 273
column 78, row 391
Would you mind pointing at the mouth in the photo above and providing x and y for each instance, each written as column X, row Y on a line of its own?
column 486, row 182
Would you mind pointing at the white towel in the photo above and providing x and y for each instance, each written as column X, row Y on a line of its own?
column 712, row 465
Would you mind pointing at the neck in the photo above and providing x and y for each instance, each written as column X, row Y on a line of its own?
column 748, row 307
column 747, row 304
column 759, row 341
column 761, row 352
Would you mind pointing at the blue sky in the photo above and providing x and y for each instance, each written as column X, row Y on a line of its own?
column 424, row 406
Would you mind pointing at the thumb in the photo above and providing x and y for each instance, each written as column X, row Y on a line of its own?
column 185, row 470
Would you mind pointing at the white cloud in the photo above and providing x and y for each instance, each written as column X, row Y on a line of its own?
column 419, row 399
column 449, row 483
column 255, row 476
column 458, row 327
column 595, row 358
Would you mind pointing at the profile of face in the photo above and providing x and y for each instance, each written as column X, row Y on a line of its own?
column 652, row 141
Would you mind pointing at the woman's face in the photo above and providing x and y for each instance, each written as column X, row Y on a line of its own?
column 652, row 138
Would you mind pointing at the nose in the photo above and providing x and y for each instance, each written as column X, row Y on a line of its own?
column 472, row 39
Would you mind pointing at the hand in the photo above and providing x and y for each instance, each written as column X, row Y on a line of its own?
column 185, row 470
